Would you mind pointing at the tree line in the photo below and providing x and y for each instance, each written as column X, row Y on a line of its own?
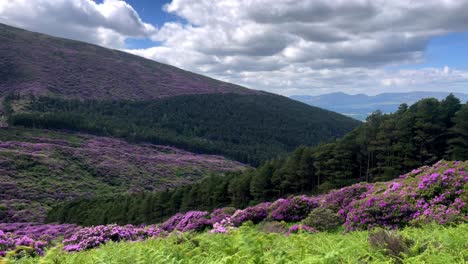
column 247, row 128
column 382, row 148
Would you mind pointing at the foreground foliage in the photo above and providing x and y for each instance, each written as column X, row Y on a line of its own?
column 431, row 244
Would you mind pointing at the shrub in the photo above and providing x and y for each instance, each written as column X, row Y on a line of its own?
column 292, row 209
column 256, row 214
column 323, row 219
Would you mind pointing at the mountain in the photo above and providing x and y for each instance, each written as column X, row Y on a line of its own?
column 33, row 63
column 359, row 106
column 39, row 168
column 56, row 83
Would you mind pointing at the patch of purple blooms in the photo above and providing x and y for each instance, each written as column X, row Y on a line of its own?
column 224, row 226
column 292, row 209
column 428, row 194
column 44, row 232
column 114, row 163
column 256, row 214
column 91, row 237
column 11, row 241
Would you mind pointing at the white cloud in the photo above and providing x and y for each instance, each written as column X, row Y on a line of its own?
column 108, row 23
column 312, row 46
column 283, row 46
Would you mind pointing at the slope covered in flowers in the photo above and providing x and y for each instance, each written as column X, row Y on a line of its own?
column 428, row 195
column 39, row 167
column 249, row 244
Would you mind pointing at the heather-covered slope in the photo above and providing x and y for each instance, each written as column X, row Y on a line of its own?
column 39, row 168
column 141, row 99
column 248, row 128
column 427, row 197
column 428, row 194
column 44, row 65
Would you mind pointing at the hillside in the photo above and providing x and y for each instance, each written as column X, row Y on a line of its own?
column 360, row 106
column 39, row 168
column 247, row 128
column 83, row 87
column 420, row 217
column 381, row 149
column 33, row 63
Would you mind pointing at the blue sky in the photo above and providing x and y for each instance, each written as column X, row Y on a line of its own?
column 287, row 47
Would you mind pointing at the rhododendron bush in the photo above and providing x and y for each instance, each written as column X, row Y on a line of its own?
column 436, row 194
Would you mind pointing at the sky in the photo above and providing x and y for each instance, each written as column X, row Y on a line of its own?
column 288, row 47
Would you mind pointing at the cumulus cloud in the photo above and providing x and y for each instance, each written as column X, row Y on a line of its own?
column 311, row 46
column 108, row 23
column 283, row 46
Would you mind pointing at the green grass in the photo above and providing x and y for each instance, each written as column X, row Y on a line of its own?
column 431, row 244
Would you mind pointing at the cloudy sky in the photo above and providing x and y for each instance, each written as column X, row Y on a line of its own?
column 289, row 47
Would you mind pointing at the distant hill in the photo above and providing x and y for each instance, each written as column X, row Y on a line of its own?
column 40, row 167
column 87, row 88
column 359, row 106
column 45, row 65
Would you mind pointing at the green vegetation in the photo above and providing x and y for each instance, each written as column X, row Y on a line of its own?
column 248, row 128
column 430, row 244
column 40, row 167
column 381, row 149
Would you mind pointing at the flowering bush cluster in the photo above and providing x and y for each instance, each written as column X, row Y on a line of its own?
column 292, row 209
column 47, row 232
column 221, row 213
column 428, row 194
column 91, row 237
column 10, row 241
column 256, row 214
column 224, row 226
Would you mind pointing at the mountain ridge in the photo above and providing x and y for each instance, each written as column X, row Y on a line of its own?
column 38, row 64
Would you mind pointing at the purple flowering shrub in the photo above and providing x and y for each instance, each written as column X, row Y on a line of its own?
column 339, row 200
column 442, row 196
column 193, row 221
column 91, row 237
column 221, row 213
column 256, row 214
column 292, row 209
column 391, row 210
column 172, row 222
column 190, row 221
column 28, row 246
column 44, row 232
column 223, row 227
column 428, row 194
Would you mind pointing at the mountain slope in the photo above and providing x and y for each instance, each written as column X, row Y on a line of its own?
column 83, row 87
column 359, row 106
column 44, row 65
column 248, row 128
column 39, row 168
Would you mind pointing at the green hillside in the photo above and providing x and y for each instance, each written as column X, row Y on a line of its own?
column 248, row 128
column 38, row 168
